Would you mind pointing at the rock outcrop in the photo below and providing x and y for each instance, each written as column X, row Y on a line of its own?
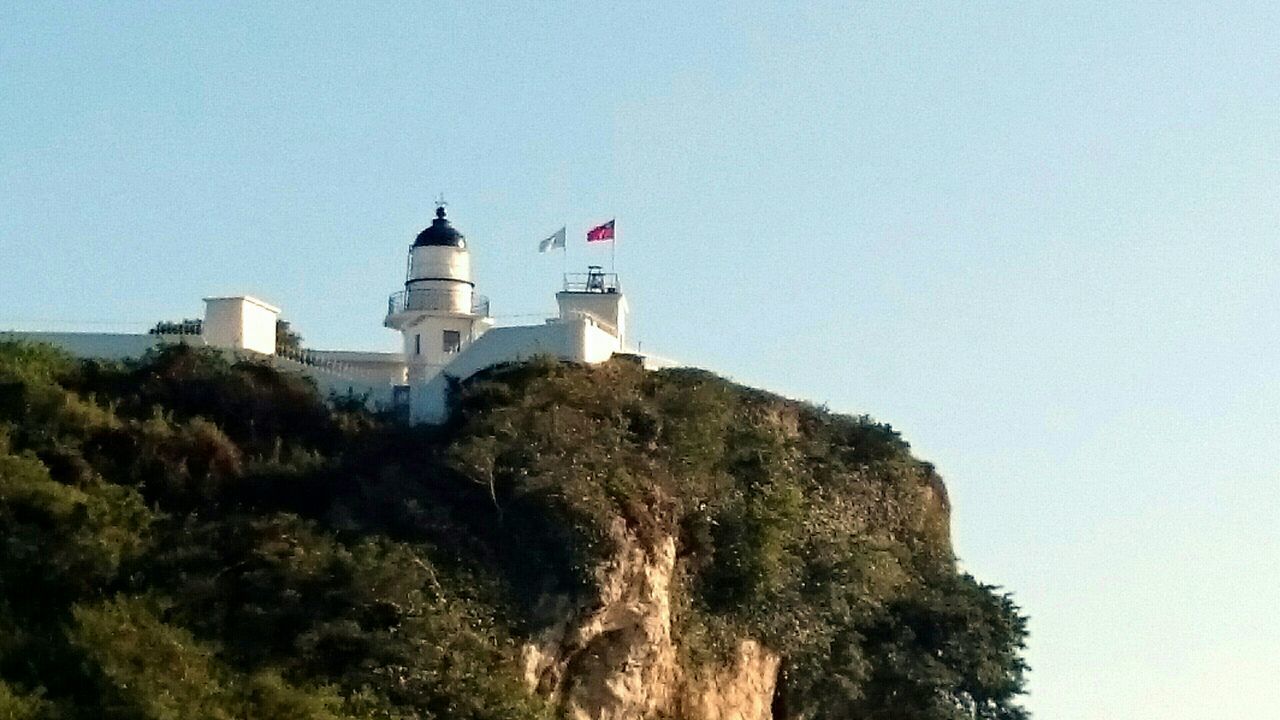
column 615, row 658
column 195, row 538
column 742, row 689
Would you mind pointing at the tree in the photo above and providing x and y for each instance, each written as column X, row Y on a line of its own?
column 187, row 326
column 287, row 340
column 188, row 536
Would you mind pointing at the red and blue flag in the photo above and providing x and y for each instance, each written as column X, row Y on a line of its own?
column 601, row 233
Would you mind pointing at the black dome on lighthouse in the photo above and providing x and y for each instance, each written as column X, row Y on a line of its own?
column 441, row 233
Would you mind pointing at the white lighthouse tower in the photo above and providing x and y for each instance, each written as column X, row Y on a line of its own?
column 438, row 313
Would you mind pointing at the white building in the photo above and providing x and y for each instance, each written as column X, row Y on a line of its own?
column 241, row 323
column 445, row 326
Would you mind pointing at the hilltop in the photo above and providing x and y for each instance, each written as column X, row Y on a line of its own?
column 187, row 537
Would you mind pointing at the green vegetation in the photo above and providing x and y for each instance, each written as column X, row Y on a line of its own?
column 287, row 339
column 190, row 538
column 185, row 326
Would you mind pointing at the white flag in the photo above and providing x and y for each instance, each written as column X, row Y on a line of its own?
column 553, row 242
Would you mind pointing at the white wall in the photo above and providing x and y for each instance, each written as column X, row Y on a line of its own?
column 430, row 328
column 222, row 322
column 439, row 279
column 241, row 323
column 103, row 346
column 594, row 344
column 373, row 366
column 577, row 339
column 440, row 263
column 260, row 327
column 608, row 308
column 332, row 382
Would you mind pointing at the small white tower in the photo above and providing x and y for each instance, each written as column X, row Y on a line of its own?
column 240, row 323
column 597, row 296
column 438, row 312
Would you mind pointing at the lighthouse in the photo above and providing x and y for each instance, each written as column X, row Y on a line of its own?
column 438, row 314
column 446, row 333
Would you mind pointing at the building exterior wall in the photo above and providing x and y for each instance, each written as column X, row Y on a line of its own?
column 439, row 263
column 578, row 339
column 332, row 383
column 241, row 323
column 103, row 346
column 424, row 349
column 223, row 323
column 259, row 328
column 374, row 366
column 594, row 344
column 439, row 279
column 608, row 308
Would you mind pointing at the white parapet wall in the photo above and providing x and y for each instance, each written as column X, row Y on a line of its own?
column 102, row 346
column 385, row 367
column 577, row 339
column 331, row 381
column 592, row 342
column 608, row 309
column 240, row 322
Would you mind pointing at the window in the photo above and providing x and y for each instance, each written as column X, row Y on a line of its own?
column 417, row 344
column 452, row 341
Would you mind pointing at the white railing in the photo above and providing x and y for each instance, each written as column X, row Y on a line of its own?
column 433, row 299
column 340, row 369
column 594, row 281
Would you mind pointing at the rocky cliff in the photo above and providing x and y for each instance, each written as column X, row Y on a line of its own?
column 615, row 656
column 692, row 602
column 186, row 537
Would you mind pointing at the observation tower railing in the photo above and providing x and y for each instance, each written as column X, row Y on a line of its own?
column 594, row 280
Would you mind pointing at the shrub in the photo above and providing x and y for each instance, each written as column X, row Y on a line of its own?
column 191, row 537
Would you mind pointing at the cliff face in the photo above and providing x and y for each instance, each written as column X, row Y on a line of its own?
column 725, row 535
column 615, row 657
column 193, row 538
column 628, row 647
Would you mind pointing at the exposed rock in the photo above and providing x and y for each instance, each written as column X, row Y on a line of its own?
column 615, row 659
column 741, row 690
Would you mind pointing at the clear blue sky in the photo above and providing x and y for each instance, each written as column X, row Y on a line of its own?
column 1041, row 240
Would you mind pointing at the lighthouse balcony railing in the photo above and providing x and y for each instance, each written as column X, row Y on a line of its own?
column 430, row 299
column 591, row 282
